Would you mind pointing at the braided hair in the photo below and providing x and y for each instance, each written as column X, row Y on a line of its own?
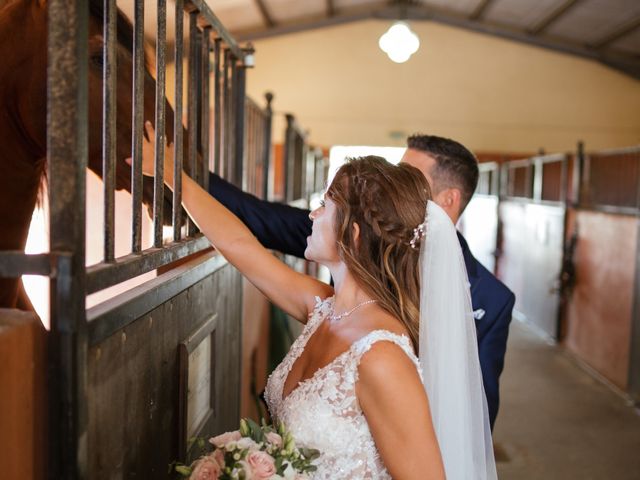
column 386, row 202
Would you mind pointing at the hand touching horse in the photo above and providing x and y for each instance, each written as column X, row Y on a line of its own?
column 23, row 114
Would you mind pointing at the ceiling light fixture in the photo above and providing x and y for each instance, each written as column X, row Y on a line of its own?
column 399, row 42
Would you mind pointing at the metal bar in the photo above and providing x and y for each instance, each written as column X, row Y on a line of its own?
column 239, row 96
column 209, row 19
column 67, row 150
column 537, row 165
column 264, row 12
column 564, row 184
column 109, row 92
column 102, row 276
column 205, row 65
column 115, row 314
column 217, row 110
column 331, row 8
column 192, row 95
column 623, row 31
column 267, row 145
column 14, row 264
column 161, row 140
column 178, row 132
column 137, row 124
column 288, row 156
column 576, row 175
column 226, row 139
column 554, row 16
column 479, row 11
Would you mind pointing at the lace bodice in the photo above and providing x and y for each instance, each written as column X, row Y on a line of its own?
column 323, row 412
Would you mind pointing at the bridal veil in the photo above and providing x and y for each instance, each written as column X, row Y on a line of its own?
column 448, row 352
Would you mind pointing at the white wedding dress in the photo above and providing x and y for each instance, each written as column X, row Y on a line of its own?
column 323, row 412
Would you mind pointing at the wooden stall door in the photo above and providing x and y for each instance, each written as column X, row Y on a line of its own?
column 135, row 394
column 599, row 310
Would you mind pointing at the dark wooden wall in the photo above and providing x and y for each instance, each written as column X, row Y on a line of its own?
column 134, row 373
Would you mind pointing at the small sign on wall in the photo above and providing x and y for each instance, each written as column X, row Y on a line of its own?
column 197, row 382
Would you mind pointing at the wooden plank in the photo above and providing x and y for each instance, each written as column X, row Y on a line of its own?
column 133, row 382
column 23, row 403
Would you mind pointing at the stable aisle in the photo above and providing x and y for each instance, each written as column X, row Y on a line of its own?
column 556, row 421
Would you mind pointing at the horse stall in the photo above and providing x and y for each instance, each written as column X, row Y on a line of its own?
column 532, row 218
column 131, row 379
column 602, row 312
column 256, row 310
column 479, row 222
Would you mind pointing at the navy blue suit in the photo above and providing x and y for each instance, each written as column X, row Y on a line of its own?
column 285, row 229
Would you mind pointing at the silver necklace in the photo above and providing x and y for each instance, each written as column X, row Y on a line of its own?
column 334, row 318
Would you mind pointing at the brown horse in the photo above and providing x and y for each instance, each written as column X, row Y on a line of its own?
column 23, row 114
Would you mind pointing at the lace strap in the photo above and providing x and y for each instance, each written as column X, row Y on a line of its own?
column 364, row 345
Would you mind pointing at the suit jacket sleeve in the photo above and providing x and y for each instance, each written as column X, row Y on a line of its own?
column 492, row 346
column 276, row 226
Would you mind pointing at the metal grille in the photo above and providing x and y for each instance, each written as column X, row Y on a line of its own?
column 612, row 179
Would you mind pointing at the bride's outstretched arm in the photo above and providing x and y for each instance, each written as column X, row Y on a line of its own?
column 292, row 291
column 395, row 404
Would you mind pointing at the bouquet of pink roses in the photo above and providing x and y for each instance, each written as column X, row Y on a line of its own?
column 255, row 452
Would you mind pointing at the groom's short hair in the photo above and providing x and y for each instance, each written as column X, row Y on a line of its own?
column 455, row 166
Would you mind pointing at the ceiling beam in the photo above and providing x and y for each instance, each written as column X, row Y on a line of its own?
column 479, row 11
column 266, row 16
column 382, row 10
column 553, row 17
column 624, row 30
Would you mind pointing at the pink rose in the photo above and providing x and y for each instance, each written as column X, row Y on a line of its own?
column 218, row 456
column 206, row 469
column 261, row 465
column 274, row 438
column 221, row 440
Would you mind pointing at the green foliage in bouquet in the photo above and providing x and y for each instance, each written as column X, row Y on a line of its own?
column 253, row 451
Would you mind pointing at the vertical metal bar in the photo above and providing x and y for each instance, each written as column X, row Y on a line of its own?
column 226, row 92
column 217, row 111
column 267, row 145
column 564, row 183
column 192, row 103
column 158, row 180
column 109, row 78
column 192, row 108
column 206, row 104
column 137, row 125
column 288, row 155
column 578, row 165
column 239, row 95
column 67, row 147
column 538, row 169
column 178, row 140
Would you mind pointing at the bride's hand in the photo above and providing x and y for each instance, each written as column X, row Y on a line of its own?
column 148, row 153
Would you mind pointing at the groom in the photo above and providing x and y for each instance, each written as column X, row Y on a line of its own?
column 452, row 172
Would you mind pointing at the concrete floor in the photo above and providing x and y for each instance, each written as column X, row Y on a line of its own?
column 556, row 421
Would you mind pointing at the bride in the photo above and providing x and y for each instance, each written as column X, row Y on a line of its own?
column 352, row 384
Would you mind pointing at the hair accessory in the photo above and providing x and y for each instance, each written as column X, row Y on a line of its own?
column 418, row 233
